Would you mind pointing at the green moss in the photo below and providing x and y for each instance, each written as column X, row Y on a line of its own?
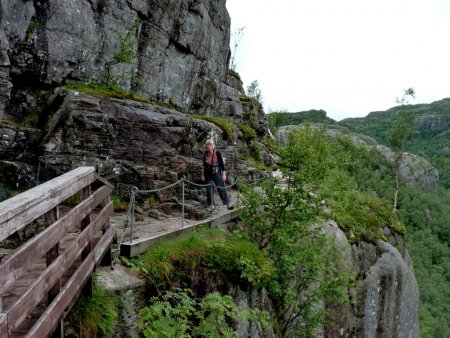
column 221, row 122
column 31, row 29
column 248, row 132
column 31, row 120
column 73, row 200
column 245, row 98
column 233, row 73
column 106, row 90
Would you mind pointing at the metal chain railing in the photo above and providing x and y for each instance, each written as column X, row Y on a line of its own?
column 135, row 191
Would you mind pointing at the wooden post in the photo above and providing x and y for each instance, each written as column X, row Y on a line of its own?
column 89, row 286
column 107, row 257
column 51, row 217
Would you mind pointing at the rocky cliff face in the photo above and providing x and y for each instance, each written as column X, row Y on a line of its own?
column 165, row 50
column 133, row 143
column 170, row 52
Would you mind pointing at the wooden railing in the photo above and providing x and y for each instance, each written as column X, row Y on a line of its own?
column 41, row 279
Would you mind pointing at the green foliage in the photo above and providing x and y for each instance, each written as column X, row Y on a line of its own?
column 361, row 215
column 358, row 210
column 362, row 175
column 106, row 90
column 255, row 151
column 222, row 123
column 32, row 26
column 400, row 131
column 94, row 316
column 73, row 200
column 211, row 251
column 278, row 219
column 254, row 101
column 254, row 91
column 178, row 314
column 247, row 132
column 126, row 54
column 31, row 120
column 119, row 204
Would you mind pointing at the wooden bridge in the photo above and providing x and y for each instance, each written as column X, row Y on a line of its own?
column 41, row 279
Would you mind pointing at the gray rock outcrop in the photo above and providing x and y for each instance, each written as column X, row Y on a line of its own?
column 164, row 50
column 415, row 171
column 386, row 295
column 134, row 143
column 169, row 52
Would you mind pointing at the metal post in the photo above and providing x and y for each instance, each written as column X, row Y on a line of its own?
column 134, row 191
column 211, row 187
column 182, row 203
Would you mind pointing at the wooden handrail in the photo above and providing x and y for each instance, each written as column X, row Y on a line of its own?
column 88, row 237
column 22, row 209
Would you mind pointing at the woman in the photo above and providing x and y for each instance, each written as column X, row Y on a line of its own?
column 213, row 170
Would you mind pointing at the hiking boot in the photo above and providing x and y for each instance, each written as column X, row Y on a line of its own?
column 210, row 208
column 230, row 206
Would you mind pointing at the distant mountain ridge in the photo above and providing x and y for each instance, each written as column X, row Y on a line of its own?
column 279, row 119
column 431, row 125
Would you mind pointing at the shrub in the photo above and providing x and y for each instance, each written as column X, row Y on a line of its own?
column 210, row 250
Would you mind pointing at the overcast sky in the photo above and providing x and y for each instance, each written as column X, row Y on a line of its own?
column 348, row 57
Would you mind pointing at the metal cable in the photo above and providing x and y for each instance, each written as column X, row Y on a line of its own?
column 159, row 189
column 135, row 191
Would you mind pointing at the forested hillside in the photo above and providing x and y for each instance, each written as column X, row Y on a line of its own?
column 431, row 133
column 279, row 119
column 425, row 215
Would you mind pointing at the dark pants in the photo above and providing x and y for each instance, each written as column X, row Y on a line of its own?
column 217, row 179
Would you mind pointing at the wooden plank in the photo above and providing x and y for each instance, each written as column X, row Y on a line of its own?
column 107, row 257
column 54, row 272
column 104, row 181
column 55, row 311
column 139, row 246
column 15, row 213
column 20, row 260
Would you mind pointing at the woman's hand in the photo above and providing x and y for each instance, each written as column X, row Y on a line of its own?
column 203, row 177
column 224, row 176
